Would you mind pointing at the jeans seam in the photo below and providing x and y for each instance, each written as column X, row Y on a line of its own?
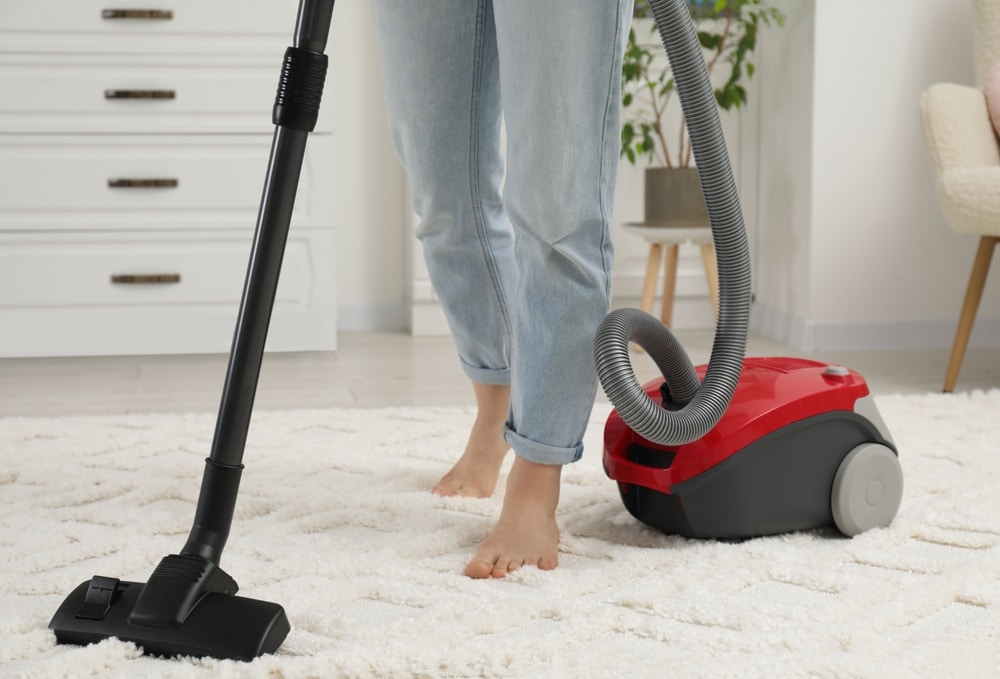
column 605, row 217
column 474, row 178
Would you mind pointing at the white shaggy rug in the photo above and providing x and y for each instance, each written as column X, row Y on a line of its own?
column 335, row 522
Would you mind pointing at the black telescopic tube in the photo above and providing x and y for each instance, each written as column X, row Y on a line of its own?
column 312, row 26
column 295, row 111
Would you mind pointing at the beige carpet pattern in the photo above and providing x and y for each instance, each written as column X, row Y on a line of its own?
column 335, row 522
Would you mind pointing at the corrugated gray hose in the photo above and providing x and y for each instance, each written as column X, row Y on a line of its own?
column 702, row 404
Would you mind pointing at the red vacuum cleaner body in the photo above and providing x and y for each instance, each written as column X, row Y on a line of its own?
column 801, row 446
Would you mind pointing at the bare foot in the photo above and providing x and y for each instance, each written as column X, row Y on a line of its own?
column 476, row 472
column 526, row 533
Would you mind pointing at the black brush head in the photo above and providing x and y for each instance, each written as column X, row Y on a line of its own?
column 220, row 625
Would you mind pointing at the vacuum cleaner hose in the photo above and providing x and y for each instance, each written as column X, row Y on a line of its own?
column 699, row 405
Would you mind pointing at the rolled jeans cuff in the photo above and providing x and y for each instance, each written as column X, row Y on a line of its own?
column 540, row 453
column 498, row 376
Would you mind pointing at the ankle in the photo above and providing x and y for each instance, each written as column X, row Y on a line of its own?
column 533, row 485
column 492, row 404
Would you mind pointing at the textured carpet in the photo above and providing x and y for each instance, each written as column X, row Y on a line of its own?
column 335, row 522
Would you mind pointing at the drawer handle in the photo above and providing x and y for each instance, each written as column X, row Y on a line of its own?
column 162, row 14
column 143, row 183
column 140, row 94
column 145, row 279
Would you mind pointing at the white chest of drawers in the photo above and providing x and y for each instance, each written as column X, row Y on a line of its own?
column 133, row 147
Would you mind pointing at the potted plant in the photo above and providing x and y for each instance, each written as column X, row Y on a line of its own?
column 728, row 31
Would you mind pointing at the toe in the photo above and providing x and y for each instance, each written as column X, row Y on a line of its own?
column 547, row 564
column 479, row 569
column 506, row 566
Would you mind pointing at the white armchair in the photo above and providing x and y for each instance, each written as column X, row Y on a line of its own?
column 965, row 154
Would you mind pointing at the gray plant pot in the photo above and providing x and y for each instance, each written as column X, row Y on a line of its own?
column 674, row 198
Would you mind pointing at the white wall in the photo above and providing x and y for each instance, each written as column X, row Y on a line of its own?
column 371, row 267
column 868, row 260
column 783, row 240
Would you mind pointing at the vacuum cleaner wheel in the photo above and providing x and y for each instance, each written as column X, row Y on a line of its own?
column 867, row 489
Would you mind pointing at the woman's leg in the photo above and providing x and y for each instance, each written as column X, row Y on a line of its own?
column 441, row 76
column 560, row 74
column 475, row 474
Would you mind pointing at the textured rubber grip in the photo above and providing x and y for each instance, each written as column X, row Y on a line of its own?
column 300, row 89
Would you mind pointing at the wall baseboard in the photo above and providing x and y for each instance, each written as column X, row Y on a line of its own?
column 695, row 313
column 809, row 335
column 427, row 319
column 388, row 317
column 690, row 313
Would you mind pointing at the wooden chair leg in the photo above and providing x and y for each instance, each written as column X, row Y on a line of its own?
column 669, row 285
column 711, row 274
column 652, row 272
column 973, row 295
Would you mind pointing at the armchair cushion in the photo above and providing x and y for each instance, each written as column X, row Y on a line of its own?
column 970, row 199
column 965, row 155
column 957, row 127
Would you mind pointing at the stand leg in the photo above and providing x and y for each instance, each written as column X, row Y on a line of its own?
column 973, row 295
column 669, row 285
column 652, row 271
column 711, row 274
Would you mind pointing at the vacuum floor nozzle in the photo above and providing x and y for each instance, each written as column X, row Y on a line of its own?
column 219, row 625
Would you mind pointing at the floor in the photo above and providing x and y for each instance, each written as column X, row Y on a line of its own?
column 378, row 369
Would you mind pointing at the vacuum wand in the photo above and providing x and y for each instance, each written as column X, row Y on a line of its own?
column 296, row 110
column 188, row 605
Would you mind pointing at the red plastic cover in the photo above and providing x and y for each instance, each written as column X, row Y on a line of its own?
column 772, row 392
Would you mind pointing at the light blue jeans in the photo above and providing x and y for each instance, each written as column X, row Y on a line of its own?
column 521, row 259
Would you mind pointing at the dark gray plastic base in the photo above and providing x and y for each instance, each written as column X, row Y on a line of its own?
column 220, row 626
column 781, row 483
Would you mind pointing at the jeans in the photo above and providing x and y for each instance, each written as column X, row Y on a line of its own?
column 516, row 240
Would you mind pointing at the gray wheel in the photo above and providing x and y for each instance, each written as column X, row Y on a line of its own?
column 867, row 489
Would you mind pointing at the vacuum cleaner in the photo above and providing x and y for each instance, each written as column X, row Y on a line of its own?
column 189, row 604
column 736, row 448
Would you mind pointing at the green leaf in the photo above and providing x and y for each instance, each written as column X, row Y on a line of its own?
column 710, row 41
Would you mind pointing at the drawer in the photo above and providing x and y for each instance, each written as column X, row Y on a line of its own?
column 58, row 294
column 133, row 93
column 111, row 182
column 141, row 94
column 152, row 271
column 163, row 17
